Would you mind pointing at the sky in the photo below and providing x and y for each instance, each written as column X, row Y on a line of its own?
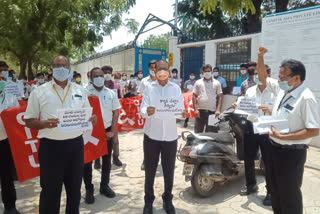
column 161, row 8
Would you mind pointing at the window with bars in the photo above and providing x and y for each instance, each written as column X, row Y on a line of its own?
column 230, row 55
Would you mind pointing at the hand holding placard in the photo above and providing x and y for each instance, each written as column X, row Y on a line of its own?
column 247, row 105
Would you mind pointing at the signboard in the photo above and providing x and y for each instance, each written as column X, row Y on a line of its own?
column 170, row 57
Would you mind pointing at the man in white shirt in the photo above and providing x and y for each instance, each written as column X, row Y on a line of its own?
column 135, row 84
column 40, row 79
column 222, row 80
column 296, row 103
column 174, row 77
column 207, row 100
column 149, row 79
column 6, row 161
column 110, row 112
column 160, row 137
column 61, row 154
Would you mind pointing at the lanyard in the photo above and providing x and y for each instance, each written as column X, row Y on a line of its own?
column 4, row 97
column 65, row 96
column 283, row 102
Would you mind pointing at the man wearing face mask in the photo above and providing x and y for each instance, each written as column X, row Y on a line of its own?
column 124, row 84
column 296, row 103
column 174, row 77
column 136, row 83
column 6, row 161
column 249, row 82
column 222, row 80
column 243, row 74
column 77, row 78
column 4, row 69
column 207, row 100
column 110, row 112
column 149, row 79
column 109, row 83
column 160, row 137
column 40, row 79
column 61, row 154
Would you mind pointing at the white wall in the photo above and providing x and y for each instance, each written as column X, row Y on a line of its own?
column 176, row 52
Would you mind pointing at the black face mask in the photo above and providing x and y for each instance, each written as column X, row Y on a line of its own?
column 251, row 72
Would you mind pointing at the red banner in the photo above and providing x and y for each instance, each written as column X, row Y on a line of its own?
column 188, row 104
column 24, row 142
column 32, row 83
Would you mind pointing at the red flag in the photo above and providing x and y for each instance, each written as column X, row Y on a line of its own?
column 188, row 104
column 32, row 83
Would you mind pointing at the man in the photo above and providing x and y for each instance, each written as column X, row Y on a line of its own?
column 110, row 112
column 249, row 82
column 61, row 154
column 252, row 142
column 136, row 83
column 124, row 84
column 296, row 103
column 174, row 78
column 222, row 80
column 188, row 86
column 107, row 70
column 145, row 82
column 6, row 161
column 4, row 69
column 160, row 137
column 40, row 79
column 207, row 100
column 77, row 78
column 149, row 79
column 243, row 74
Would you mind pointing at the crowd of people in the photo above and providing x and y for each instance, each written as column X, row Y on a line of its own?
column 61, row 154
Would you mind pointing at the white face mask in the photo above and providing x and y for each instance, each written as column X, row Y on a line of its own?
column 98, row 81
column 215, row 74
column 107, row 77
column 140, row 75
column 124, row 78
column 192, row 77
column 207, row 75
column 5, row 74
column 174, row 74
column 152, row 73
column 243, row 72
column 61, row 74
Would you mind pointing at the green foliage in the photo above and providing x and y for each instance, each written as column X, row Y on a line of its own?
column 158, row 42
column 35, row 30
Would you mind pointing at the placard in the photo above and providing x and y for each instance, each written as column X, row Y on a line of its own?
column 247, row 105
column 168, row 107
column 71, row 120
column 264, row 124
column 15, row 90
column 236, row 90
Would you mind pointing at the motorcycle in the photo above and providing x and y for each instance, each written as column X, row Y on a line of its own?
column 211, row 159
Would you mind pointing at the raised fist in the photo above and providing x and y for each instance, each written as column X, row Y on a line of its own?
column 262, row 51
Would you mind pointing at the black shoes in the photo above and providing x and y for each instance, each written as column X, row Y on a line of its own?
column 89, row 199
column 185, row 125
column 249, row 190
column 11, row 211
column 107, row 191
column 267, row 200
column 148, row 209
column 168, row 207
column 117, row 162
column 97, row 164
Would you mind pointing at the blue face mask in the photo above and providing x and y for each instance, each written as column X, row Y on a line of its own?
column 256, row 79
column 5, row 74
column 284, row 86
column 98, row 81
column 61, row 74
column 3, row 85
column 14, row 76
column 40, row 81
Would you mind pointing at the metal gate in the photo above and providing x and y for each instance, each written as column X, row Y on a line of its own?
column 230, row 55
column 144, row 55
column 192, row 61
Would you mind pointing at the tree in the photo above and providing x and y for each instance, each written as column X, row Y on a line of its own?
column 158, row 42
column 32, row 29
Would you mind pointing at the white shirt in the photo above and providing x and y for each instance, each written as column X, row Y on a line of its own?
column 45, row 102
column 156, row 129
column 299, row 107
column 177, row 81
column 6, row 101
column 108, row 101
column 136, row 83
column 144, row 83
column 207, row 92
column 262, row 98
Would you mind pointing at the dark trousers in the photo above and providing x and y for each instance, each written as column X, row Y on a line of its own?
column 152, row 150
column 105, row 169
column 201, row 123
column 252, row 143
column 286, row 171
column 8, row 191
column 61, row 163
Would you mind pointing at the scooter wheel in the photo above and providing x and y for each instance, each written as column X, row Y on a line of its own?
column 202, row 185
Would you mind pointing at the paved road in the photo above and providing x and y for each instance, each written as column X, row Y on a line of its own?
column 128, row 181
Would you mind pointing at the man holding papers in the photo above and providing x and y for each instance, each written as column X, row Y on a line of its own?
column 296, row 103
column 160, row 134
column 61, row 153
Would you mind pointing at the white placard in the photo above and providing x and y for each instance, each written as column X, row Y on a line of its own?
column 212, row 120
column 247, row 105
column 236, row 90
column 295, row 35
column 264, row 124
column 168, row 107
column 71, row 120
column 15, row 89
